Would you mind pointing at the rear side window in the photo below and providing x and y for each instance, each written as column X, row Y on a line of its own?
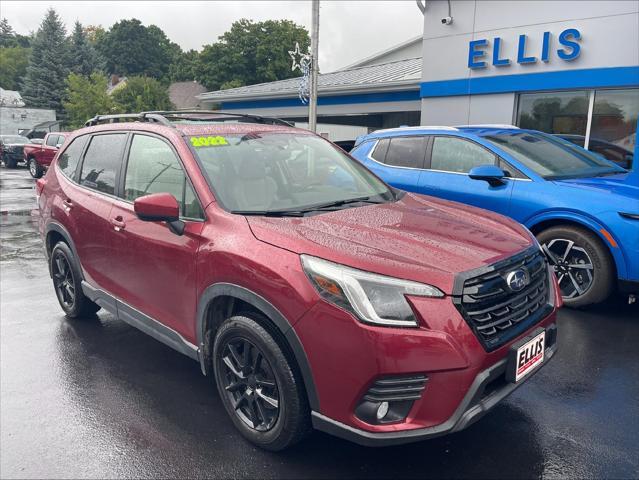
column 381, row 148
column 69, row 159
column 457, row 155
column 154, row 168
column 406, row 152
column 102, row 162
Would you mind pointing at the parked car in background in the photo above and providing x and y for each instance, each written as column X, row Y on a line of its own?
column 316, row 294
column 11, row 147
column 578, row 204
column 38, row 156
column 613, row 152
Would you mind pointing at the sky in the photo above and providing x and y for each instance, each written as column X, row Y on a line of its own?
column 349, row 30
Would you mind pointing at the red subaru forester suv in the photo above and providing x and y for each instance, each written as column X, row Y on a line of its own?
column 314, row 293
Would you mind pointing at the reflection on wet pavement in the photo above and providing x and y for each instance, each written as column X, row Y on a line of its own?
column 95, row 398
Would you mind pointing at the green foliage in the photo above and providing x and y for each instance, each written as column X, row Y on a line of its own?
column 44, row 82
column 10, row 39
column 130, row 48
column 13, row 66
column 185, row 67
column 251, row 53
column 142, row 94
column 84, row 60
column 87, row 97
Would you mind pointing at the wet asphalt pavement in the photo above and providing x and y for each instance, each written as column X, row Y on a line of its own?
column 96, row 398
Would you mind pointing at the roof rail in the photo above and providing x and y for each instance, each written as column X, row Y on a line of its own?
column 420, row 127
column 490, row 125
column 116, row 118
column 165, row 117
column 208, row 114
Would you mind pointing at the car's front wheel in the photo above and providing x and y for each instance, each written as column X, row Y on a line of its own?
column 258, row 386
column 34, row 169
column 583, row 265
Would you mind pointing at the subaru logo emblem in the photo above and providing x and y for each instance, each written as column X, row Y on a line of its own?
column 517, row 279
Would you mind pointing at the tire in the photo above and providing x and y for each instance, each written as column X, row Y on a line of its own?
column 580, row 285
column 67, row 283
column 275, row 378
column 35, row 169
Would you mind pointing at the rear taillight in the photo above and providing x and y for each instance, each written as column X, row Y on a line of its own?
column 40, row 183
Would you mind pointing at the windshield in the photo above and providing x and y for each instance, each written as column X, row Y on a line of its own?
column 14, row 139
column 275, row 172
column 553, row 157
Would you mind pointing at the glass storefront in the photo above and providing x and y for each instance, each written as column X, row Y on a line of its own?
column 603, row 121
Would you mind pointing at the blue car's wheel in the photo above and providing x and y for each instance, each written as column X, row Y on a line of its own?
column 583, row 266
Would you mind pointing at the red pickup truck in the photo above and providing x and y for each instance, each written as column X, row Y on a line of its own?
column 38, row 156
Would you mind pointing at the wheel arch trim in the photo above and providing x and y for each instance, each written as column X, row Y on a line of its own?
column 53, row 226
column 276, row 317
column 590, row 224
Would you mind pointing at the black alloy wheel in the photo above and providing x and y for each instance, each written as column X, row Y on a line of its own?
column 572, row 265
column 582, row 263
column 250, row 384
column 63, row 281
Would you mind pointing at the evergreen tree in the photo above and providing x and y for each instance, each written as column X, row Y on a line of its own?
column 84, row 59
column 44, row 83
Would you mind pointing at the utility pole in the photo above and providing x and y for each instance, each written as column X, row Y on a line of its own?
column 312, row 104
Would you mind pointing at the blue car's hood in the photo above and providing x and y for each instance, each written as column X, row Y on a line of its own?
column 621, row 184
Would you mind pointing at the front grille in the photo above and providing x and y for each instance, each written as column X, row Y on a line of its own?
column 396, row 389
column 493, row 310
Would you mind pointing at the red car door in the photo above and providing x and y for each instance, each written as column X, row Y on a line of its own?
column 50, row 148
column 157, row 268
column 91, row 203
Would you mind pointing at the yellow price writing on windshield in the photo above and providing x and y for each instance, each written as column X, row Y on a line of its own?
column 208, row 141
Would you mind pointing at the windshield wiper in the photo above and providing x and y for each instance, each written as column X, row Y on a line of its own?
column 340, row 203
column 270, row 213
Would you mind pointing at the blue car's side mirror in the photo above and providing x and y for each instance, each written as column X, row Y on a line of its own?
column 490, row 173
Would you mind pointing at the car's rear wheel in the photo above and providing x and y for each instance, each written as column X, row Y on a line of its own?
column 258, row 385
column 67, row 283
column 583, row 265
column 34, row 169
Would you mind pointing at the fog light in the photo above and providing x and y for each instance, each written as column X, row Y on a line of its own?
column 382, row 410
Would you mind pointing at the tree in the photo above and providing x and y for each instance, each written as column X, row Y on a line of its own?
column 86, row 97
column 47, row 71
column 13, row 66
column 84, row 60
column 142, row 94
column 251, row 53
column 130, row 48
column 184, row 68
column 9, row 38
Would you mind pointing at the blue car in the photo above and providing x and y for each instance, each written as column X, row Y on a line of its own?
column 583, row 209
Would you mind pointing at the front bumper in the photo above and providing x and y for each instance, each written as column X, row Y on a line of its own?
column 488, row 389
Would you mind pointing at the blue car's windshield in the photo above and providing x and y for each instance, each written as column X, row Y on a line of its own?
column 552, row 157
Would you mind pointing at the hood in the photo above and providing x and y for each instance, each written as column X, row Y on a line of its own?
column 613, row 184
column 416, row 238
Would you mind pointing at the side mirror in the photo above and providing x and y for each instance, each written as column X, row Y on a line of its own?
column 160, row 207
column 58, row 146
column 490, row 173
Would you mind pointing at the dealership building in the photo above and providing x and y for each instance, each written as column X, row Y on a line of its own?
column 562, row 67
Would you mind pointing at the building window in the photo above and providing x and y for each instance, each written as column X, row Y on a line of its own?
column 603, row 121
column 558, row 112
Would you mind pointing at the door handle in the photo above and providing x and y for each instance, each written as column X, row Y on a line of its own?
column 118, row 223
column 67, row 205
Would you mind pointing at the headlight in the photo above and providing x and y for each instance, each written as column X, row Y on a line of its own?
column 373, row 298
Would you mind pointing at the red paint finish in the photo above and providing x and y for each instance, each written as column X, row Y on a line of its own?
column 163, row 275
column 43, row 153
column 157, row 205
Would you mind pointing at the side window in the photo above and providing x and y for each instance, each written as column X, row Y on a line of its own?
column 458, row 155
column 510, row 171
column 154, row 168
column 102, row 162
column 52, row 140
column 69, row 159
column 379, row 153
column 60, row 140
column 406, row 152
